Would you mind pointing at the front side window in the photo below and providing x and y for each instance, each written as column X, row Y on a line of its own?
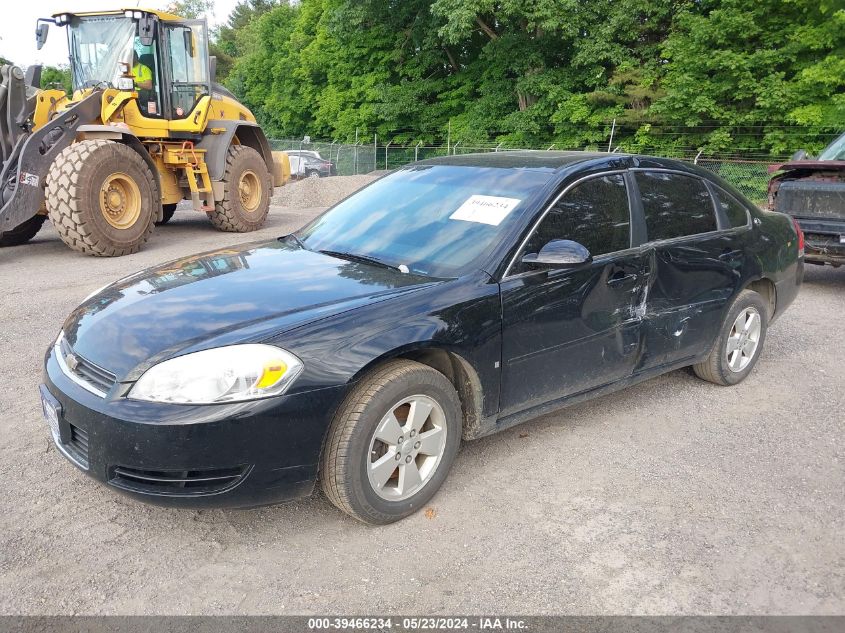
column 187, row 46
column 145, row 72
column 674, row 205
column 594, row 213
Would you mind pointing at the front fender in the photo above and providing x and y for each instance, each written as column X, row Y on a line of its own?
column 462, row 318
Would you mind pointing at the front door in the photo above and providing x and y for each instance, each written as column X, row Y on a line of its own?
column 569, row 330
column 187, row 62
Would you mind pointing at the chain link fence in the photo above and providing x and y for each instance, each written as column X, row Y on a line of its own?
column 751, row 177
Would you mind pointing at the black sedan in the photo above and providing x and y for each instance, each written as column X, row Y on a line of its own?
column 448, row 300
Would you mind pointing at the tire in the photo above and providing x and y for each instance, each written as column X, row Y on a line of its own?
column 312, row 173
column 85, row 218
column 23, row 232
column 717, row 367
column 351, row 445
column 234, row 213
column 167, row 211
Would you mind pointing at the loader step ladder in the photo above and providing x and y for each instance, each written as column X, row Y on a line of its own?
column 192, row 161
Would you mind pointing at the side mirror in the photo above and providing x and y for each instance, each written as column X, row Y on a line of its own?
column 560, row 254
column 799, row 155
column 41, row 34
column 146, row 29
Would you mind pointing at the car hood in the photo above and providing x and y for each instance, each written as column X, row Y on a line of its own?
column 222, row 297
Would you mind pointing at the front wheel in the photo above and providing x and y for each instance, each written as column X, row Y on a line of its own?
column 740, row 342
column 247, row 188
column 102, row 198
column 392, row 443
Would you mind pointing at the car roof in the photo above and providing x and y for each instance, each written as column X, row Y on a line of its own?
column 555, row 161
column 518, row 159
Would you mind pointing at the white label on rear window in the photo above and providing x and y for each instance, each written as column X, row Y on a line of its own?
column 485, row 209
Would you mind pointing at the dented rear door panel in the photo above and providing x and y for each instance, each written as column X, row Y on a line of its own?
column 694, row 278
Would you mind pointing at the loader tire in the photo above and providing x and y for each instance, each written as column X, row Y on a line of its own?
column 247, row 187
column 23, row 232
column 102, row 198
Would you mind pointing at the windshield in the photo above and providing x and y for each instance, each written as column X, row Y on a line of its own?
column 97, row 46
column 435, row 220
column 834, row 151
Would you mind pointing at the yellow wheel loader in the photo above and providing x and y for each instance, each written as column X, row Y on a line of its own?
column 145, row 128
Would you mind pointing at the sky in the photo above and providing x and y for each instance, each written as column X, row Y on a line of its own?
column 17, row 28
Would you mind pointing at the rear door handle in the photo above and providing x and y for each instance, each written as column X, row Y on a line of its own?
column 620, row 278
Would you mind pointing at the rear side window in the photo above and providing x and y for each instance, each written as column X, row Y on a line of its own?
column 675, row 205
column 594, row 213
column 734, row 210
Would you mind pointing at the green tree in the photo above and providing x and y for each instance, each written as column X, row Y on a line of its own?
column 56, row 77
column 227, row 44
column 749, row 72
column 675, row 75
column 190, row 9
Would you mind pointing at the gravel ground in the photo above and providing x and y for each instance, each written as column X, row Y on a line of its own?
column 320, row 192
column 674, row 496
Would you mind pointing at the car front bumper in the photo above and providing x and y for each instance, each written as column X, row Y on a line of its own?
column 229, row 455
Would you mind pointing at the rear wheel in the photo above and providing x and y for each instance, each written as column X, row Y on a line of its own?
column 101, row 197
column 740, row 341
column 392, row 442
column 246, row 192
column 167, row 211
column 23, row 232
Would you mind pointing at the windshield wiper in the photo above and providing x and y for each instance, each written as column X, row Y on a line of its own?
column 298, row 241
column 365, row 259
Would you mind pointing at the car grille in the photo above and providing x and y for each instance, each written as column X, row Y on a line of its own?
column 177, row 483
column 85, row 373
column 77, row 445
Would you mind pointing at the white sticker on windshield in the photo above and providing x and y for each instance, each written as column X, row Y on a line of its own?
column 485, row 209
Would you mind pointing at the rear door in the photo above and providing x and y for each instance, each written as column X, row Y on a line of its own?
column 696, row 264
column 569, row 330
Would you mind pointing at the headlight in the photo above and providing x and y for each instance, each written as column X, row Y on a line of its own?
column 222, row 374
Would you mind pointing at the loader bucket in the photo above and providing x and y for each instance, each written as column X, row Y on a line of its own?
column 26, row 155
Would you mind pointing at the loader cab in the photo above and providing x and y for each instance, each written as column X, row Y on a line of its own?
column 165, row 58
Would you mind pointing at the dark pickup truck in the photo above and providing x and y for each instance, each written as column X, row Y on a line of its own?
column 813, row 192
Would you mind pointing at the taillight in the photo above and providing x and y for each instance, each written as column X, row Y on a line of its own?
column 800, row 237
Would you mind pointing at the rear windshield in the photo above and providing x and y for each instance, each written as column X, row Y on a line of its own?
column 437, row 220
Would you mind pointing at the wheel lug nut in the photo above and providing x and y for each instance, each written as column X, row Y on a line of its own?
column 413, row 433
column 400, row 440
column 417, row 445
column 408, row 459
column 398, row 456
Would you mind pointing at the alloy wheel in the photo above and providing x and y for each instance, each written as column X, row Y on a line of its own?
column 406, row 448
column 743, row 339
